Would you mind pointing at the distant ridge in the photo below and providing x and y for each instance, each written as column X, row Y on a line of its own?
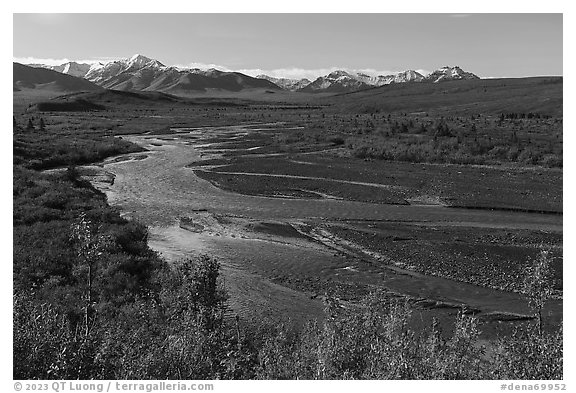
column 400, row 77
column 342, row 81
column 142, row 73
column 543, row 95
column 71, row 68
column 449, row 74
column 286, row 83
column 41, row 78
column 103, row 99
column 335, row 82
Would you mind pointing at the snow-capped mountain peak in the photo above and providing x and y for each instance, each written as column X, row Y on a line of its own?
column 410, row 76
column 71, row 68
column 337, row 81
column 100, row 72
column 400, row 77
column 338, row 74
column 286, row 83
column 75, row 69
column 140, row 61
column 139, row 58
column 141, row 73
column 447, row 73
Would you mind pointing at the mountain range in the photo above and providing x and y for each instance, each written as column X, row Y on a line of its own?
column 140, row 73
column 286, row 83
column 70, row 68
column 144, row 74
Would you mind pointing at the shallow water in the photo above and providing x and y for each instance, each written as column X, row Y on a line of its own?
column 257, row 269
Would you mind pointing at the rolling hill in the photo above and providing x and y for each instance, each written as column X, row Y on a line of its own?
column 113, row 99
column 463, row 97
column 25, row 77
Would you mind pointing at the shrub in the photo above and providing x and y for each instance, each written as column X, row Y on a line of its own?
column 336, row 140
column 552, row 160
column 530, row 354
column 538, row 284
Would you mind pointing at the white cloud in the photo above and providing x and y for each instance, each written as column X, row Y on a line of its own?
column 202, row 66
column 39, row 60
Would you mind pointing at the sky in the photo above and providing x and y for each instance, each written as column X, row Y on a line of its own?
column 301, row 45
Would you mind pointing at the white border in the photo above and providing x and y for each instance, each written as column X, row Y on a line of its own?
column 301, row 6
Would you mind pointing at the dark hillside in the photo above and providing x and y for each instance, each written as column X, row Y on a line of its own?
column 30, row 77
column 541, row 95
column 111, row 99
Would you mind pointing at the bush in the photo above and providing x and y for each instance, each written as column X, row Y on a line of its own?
column 552, row 160
column 163, row 338
column 48, row 346
column 374, row 342
column 336, row 140
column 530, row 354
column 199, row 292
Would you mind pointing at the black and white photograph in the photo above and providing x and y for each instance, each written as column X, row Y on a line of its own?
column 205, row 196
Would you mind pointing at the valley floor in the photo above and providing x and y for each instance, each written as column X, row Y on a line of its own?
column 312, row 214
column 292, row 227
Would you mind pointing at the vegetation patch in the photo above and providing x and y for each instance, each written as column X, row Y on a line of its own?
column 69, row 106
column 43, row 149
column 490, row 258
column 272, row 186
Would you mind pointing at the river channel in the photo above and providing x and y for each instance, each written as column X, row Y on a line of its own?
column 157, row 189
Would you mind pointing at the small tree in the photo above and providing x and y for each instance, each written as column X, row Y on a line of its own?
column 538, row 284
column 204, row 296
column 90, row 245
